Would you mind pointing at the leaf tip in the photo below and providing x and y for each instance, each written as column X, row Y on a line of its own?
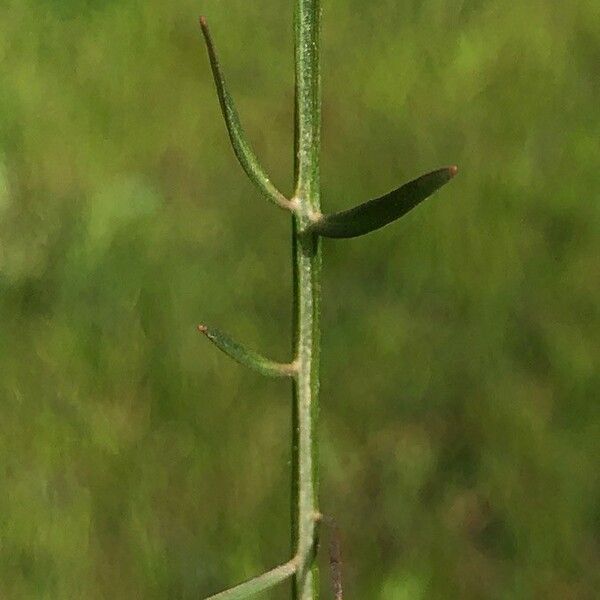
column 203, row 22
column 453, row 170
column 202, row 328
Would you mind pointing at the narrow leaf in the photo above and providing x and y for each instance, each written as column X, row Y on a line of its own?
column 241, row 147
column 258, row 584
column 376, row 213
column 246, row 357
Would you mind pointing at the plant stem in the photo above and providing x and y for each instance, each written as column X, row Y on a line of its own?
column 306, row 279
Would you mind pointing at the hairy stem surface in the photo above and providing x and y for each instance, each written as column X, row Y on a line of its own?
column 307, row 275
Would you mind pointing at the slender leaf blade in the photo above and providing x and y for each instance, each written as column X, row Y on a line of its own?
column 241, row 147
column 258, row 584
column 379, row 212
column 245, row 356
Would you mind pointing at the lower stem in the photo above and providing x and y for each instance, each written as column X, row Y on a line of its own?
column 307, row 267
column 307, row 290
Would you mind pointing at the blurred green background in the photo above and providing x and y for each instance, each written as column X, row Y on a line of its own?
column 460, row 427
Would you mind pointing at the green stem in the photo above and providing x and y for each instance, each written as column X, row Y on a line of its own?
column 306, row 274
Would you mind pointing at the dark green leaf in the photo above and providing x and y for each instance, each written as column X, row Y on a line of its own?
column 379, row 212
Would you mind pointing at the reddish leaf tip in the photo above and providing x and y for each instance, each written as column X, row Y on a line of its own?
column 203, row 22
column 202, row 328
column 453, row 170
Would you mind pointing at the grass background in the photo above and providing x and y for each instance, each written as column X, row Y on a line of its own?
column 460, row 419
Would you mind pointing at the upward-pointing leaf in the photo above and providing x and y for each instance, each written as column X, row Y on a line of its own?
column 240, row 144
column 376, row 213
